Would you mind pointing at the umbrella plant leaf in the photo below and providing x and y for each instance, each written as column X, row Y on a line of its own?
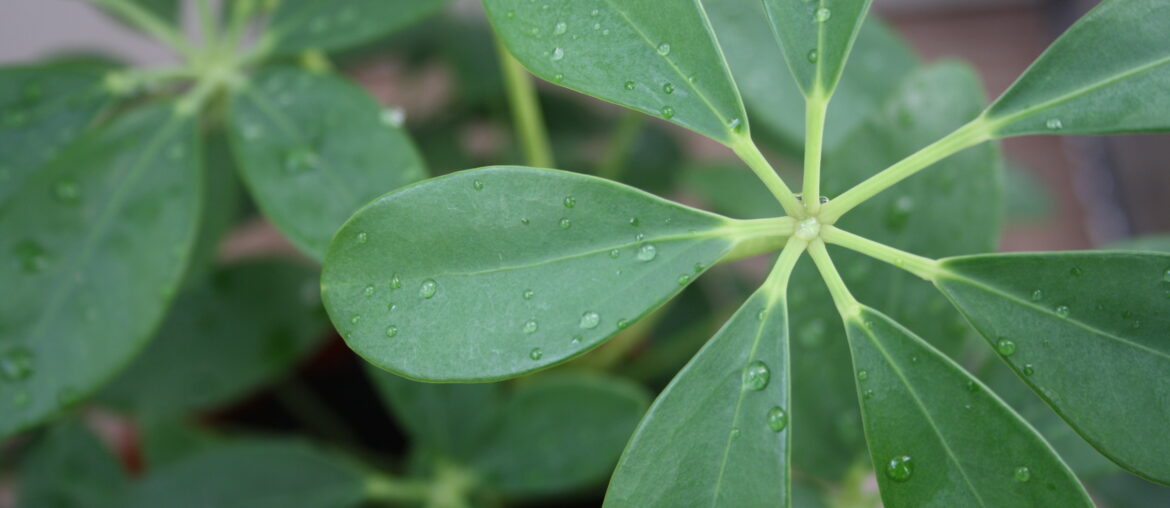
column 69, row 467
column 816, row 38
column 491, row 273
column 328, row 25
column 313, row 148
column 656, row 57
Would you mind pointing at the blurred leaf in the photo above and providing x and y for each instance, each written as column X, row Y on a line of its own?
column 254, row 474
column 223, row 203
column 1128, row 491
column 731, row 190
column 1154, row 243
column 1026, row 198
column 329, row 25
column 43, row 109
column 96, row 244
column 312, row 149
column 248, row 325
column 68, row 467
column 165, row 440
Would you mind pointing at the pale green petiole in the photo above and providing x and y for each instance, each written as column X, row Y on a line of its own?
column 814, row 128
column 143, row 19
column 847, row 306
column 777, row 283
column 208, row 22
column 750, row 154
column 971, row 134
column 923, row 267
column 526, row 113
column 758, row 236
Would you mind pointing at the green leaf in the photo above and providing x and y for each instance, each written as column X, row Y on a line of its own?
column 254, row 474
column 561, row 433
column 492, row 273
column 328, row 25
column 949, row 210
column 1026, row 198
column 732, row 190
column 223, row 204
column 450, row 419
column 656, row 57
column 312, row 149
column 718, row 435
column 1106, row 74
column 68, row 467
column 166, row 440
column 43, row 109
column 95, row 245
column 246, row 326
column 938, row 437
column 816, row 38
column 1086, row 330
column 165, row 10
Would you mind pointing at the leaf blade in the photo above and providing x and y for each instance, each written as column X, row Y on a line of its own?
column 819, row 33
column 300, row 25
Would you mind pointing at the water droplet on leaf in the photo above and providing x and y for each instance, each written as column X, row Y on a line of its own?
column 1023, row 474
column 664, row 49
column 530, row 326
column 777, row 419
column 428, row 289
column 900, row 469
column 565, row 223
column 823, row 14
column 756, row 376
column 391, row 331
column 1005, row 347
column 536, row 354
column 590, row 319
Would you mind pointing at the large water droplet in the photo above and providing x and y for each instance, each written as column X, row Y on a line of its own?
column 428, row 288
column 862, row 375
column 777, row 419
column 557, row 55
column 823, row 14
column 900, row 469
column 1005, row 347
column 667, row 112
column 590, row 319
column 570, row 201
column 16, row 364
column 561, row 28
column 647, row 253
column 812, row 55
column 536, row 353
column 1023, row 474
column 756, row 376
column 664, row 49
column 531, row 326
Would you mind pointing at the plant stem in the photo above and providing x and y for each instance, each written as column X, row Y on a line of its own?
column 846, row 305
column 814, row 133
column 241, row 13
column 530, row 128
column 628, row 128
column 208, row 24
column 757, row 236
column 777, row 283
column 149, row 23
column 750, row 154
column 925, row 268
column 971, row 134
column 384, row 487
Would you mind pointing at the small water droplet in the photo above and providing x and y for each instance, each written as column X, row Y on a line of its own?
column 558, row 54
column 1062, row 310
column 369, row 291
column 576, row 340
column 559, row 77
column 33, row 258
column 862, row 375
column 594, row 12
column 561, row 28
column 868, row 394
column 1076, row 271
column 699, row 267
column 395, row 282
column 355, row 319
column 1037, row 295
column 914, row 359
column 647, row 253
column 363, row 237
column 536, row 353
column 615, row 253
column 16, row 364
column 391, row 331
column 67, row 191
column 525, row 221
column 1029, row 369
column 565, row 223
column 510, row 14
column 392, row 306
column 900, row 469
column 777, row 419
column 667, row 88
column 570, row 201
column 590, row 320
column 623, row 323
column 428, row 289
column 735, row 125
column 530, row 326
column 1023, row 474
column 300, row 159
column 1054, row 124
column 1005, row 347
column 812, row 56
column 634, row 221
column 630, row 85
column 684, row 279
column 1166, row 275
column 664, row 49
column 823, row 14
column 972, row 386
column 756, row 376
column 667, row 112
column 477, row 185
column 528, row 294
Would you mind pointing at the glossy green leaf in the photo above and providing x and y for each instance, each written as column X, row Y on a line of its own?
column 816, row 38
column 950, row 209
column 878, row 64
column 1087, row 331
column 246, row 326
column 1106, row 74
column 43, row 109
column 656, row 57
column 254, row 474
column 492, row 273
column 938, row 437
column 450, row 419
column 69, row 467
column 312, row 149
column 299, row 25
column 718, row 434
column 561, row 433
column 94, row 247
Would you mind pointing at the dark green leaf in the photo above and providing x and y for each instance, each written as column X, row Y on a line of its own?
column 718, row 434
column 1087, row 331
column 43, row 109
column 938, row 437
column 732, row 190
column 656, row 57
column 222, row 205
column 1128, row 491
column 816, row 38
column 94, row 247
column 299, row 25
column 166, row 440
column 68, row 467
column 451, row 419
column 1106, row 74
column 561, row 433
column 312, row 149
column 246, row 326
column 1026, row 197
column 492, row 273
column 166, row 11
column 257, row 474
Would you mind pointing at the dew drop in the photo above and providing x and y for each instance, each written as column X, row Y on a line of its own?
column 615, row 253
column 1029, row 369
column 684, row 279
column 391, row 331
column 67, row 191
column 623, row 323
column 525, row 221
column 1037, row 295
column 33, row 258
column 561, row 28
column 735, row 125
column 756, row 376
column 428, row 289
column 1062, row 310
column 647, row 253
column 812, row 56
column 1005, row 347
column 369, row 291
column 1076, row 271
column 395, row 282
column 536, row 353
column 667, row 88
column 570, row 201
column 590, row 320
column 1166, row 275
column 823, row 14
column 664, row 49
column 16, row 364
column 899, row 213
column 1054, row 124
column 528, row 294
column 630, row 85
column 900, row 469
column 363, row 237
column 477, row 185
column 667, row 112
column 1023, row 474
column 565, row 223
column 576, row 340
column 531, row 326
column 862, row 375
column 777, row 419
column 559, row 77
column 634, row 221
column 558, row 54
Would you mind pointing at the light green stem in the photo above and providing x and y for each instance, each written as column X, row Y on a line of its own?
column 777, row 283
column 750, row 154
column 241, row 14
column 923, row 267
column 814, row 133
column 975, row 132
column 386, row 488
column 149, row 23
column 621, row 143
column 758, row 236
column 847, row 306
column 526, row 113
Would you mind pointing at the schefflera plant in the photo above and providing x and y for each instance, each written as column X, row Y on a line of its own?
column 497, row 272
